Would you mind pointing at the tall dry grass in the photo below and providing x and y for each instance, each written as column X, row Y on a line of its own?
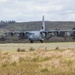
column 38, row 62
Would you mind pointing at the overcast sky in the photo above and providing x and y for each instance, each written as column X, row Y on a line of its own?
column 33, row 10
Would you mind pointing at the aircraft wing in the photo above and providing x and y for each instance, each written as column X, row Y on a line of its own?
column 17, row 33
column 60, row 31
column 57, row 31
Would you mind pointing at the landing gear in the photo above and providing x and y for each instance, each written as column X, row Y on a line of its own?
column 41, row 41
column 31, row 41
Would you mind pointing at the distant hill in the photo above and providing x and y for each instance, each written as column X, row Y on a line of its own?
column 36, row 25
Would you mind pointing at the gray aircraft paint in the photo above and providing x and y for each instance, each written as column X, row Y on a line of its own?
column 36, row 35
column 39, row 35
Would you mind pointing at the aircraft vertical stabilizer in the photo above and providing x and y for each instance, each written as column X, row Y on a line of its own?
column 43, row 24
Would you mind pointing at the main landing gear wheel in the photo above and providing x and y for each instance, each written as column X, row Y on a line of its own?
column 31, row 41
column 41, row 41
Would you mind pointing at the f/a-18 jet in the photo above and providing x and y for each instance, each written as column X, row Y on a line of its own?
column 40, row 35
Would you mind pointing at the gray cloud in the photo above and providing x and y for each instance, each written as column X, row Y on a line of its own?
column 32, row 10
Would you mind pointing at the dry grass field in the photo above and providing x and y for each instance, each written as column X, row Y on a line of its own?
column 26, row 46
column 37, row 59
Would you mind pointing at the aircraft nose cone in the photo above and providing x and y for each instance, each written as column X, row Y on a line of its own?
column 30, row 37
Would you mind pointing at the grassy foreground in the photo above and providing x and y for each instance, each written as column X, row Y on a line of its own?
column 27, row 46
column 38, row 62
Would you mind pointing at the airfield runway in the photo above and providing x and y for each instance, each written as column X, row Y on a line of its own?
column 26, row 46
